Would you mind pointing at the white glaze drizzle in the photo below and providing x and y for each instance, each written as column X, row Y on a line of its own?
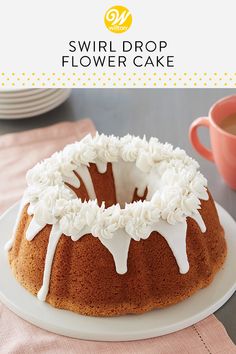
column 175, row 236
column 30, row 210
column 73, row 181
column 84, row 174
column 54, row 238
column 175, row 169
column 33, row 229
column 119, row 248
column 174, row 188
column 199, row 220
column 78, row 235
column 101, row 166
column 125, row 187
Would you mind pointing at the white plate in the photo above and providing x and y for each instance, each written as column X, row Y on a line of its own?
column 32, row 105
column 18, row 92
column 14, row 100
column 131, row 327
column 39, row 110
column 37, row 104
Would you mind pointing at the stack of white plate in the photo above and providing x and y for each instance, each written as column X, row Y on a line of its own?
column 24, row 103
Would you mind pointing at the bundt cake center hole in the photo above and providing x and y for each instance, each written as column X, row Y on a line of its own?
column 122, row 183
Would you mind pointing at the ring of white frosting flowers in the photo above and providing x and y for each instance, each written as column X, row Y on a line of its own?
column 51, row 201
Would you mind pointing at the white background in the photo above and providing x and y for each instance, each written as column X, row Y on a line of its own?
column 200, row 34
column 35, row 35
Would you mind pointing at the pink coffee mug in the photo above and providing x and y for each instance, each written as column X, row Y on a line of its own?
column 223, row 144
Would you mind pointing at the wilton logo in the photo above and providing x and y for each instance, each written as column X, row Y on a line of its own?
column 118, row 19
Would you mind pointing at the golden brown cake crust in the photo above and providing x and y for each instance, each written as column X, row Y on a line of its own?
column 84, row 279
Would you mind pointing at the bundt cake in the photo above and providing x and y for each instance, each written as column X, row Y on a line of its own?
column 112, row 226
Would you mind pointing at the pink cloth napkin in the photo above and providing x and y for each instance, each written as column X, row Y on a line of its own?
column 19, row 152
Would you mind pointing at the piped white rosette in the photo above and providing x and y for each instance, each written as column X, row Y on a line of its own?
column 174, row 185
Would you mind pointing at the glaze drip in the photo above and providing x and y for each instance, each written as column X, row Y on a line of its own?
column 174, row 185
column 33, row 229
column 54, row 238
column 84, row 174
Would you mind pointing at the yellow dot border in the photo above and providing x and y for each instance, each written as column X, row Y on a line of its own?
column 147, row 79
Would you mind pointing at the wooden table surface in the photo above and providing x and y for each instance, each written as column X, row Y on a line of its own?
column 165, row 113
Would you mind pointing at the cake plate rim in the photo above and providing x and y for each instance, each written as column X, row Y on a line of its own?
column 122, row 328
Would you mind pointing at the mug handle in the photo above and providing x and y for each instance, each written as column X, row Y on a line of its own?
column 193, row 136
